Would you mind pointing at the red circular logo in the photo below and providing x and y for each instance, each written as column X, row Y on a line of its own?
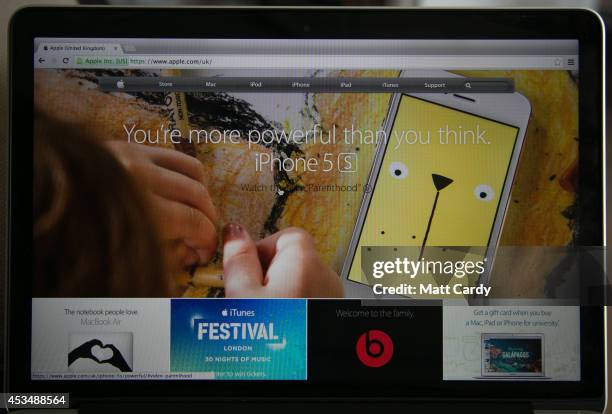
column 374, row 348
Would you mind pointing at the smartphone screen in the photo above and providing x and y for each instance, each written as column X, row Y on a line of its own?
column 440, row 182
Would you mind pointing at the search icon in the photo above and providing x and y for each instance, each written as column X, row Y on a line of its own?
column 468, row 85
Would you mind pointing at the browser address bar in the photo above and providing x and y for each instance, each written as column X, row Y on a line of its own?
column 316, row 61
column 140, row 61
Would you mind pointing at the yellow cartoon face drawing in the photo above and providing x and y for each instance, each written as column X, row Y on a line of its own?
column 440, row 181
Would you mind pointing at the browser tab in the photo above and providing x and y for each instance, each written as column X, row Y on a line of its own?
column 87, row 48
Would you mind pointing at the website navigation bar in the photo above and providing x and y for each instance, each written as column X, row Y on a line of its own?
column 306, row 84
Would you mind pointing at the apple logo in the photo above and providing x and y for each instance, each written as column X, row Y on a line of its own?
column 224, row 312
column 120, row 84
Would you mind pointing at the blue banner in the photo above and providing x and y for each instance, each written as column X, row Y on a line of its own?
column 239, row 339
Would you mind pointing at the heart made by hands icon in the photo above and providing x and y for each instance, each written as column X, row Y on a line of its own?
column 102, row 353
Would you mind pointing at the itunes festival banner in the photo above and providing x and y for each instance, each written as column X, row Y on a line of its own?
column 239, row 339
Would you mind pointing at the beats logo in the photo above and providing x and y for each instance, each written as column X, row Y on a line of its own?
column 374, row 348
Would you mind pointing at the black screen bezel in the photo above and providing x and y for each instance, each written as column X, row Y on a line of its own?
column 356, row 23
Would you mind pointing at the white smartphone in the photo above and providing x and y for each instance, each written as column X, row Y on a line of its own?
column 441, row 178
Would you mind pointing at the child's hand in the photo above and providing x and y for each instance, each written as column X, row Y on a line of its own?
column 181, row 203
column 284, row 264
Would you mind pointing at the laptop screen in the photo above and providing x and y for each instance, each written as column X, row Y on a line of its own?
column 512, row 355
column 261, row 210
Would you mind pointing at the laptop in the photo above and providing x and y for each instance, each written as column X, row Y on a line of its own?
column 512, row 356
column 306, row 209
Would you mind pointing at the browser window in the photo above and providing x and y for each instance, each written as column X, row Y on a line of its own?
column 210, row 209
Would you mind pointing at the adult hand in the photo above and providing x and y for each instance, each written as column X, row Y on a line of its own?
column 283, row 265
